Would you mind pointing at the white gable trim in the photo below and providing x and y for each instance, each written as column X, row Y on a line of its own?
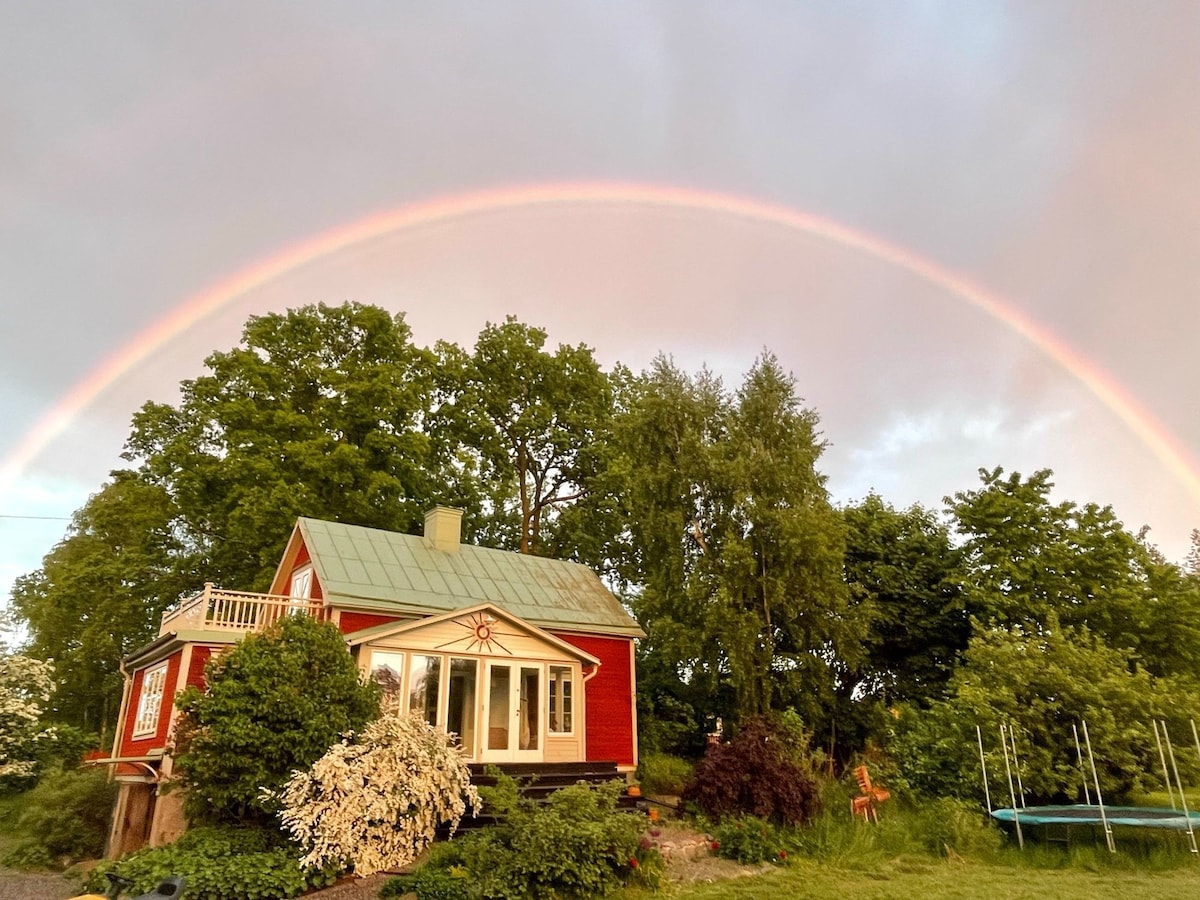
column 381, row 632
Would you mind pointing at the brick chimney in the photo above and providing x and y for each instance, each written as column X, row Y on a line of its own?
column 443, row 528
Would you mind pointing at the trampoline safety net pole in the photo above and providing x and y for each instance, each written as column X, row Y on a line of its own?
column 1163, row 759
column 1108, row 836
column 1087, row 796
column 1012, row 739
column 1011, row 792
column 987, row 794
column 1195, row 737
column 1179, row 784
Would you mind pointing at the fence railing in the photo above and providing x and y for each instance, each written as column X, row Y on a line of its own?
column 214, row 609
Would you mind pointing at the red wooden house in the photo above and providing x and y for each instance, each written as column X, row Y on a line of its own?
column 526, row 659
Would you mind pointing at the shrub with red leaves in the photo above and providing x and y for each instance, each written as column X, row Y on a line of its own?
column 754, row 774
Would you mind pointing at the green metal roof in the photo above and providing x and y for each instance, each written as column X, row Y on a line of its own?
column 367, row 568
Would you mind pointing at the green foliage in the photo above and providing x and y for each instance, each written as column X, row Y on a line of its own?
column 949, row 827
column 527, row 421
column 1040, row 686
column 575, row 845
column 99, row 595
column 320, row 412
column 903, row 571
column 431, row 883
column 65, row 818
column 274, row 703
column 749, row 840
column 659, row 773
column 760, row 773
column 220, row 864
column 735, row 552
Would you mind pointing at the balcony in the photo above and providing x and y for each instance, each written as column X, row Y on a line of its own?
column 214, row 609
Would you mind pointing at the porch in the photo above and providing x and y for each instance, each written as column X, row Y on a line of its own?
column 234, row 612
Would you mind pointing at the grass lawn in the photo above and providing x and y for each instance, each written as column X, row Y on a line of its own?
column 930, row 879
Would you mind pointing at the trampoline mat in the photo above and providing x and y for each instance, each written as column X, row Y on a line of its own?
column 1082, row 814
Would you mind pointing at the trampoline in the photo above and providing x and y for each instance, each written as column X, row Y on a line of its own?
column 1091, row 814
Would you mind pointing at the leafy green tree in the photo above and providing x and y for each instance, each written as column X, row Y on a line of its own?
column 529, row 421
column 99, row 594
column 736, row 566
column 903, row 570
column 274, row 703
column 1040, row 685
column 1032, row 560
column 320, row 412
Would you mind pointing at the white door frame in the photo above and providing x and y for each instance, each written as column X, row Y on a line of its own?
column 512, row 715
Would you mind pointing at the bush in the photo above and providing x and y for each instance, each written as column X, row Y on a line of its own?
column 947, row 826
column 431, row 883
column 377, row 801
column 66, row 818
column 275, row 703
column 760, row 773
column 576, row 845
column 660, row 773
column 749, row 840
column 220, row 864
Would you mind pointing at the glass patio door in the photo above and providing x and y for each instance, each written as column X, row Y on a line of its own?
column 512, row 713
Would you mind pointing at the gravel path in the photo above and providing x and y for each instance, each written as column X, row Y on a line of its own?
column 26, row 886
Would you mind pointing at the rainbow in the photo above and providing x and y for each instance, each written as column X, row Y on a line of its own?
column 447, row 208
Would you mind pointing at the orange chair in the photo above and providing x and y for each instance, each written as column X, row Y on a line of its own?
column 864, row 805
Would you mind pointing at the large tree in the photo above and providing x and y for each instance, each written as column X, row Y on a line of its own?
column 737, row 567
column 904, row 571
column 99, row 594
column 320, row 412
column 1032, row 559
column 529, row 420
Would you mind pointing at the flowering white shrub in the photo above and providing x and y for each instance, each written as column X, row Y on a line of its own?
column 376, row 800
column 25, row 688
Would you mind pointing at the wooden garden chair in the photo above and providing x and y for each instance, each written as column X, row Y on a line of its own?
column 864, row 804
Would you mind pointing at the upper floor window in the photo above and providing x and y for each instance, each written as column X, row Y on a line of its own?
column 154, row 682
column 302, row 583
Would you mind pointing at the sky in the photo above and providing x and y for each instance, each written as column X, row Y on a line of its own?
column 1046, row 153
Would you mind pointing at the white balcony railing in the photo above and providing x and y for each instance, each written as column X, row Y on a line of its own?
column 214, row 609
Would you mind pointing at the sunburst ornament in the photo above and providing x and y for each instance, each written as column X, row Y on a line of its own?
column 483, row 635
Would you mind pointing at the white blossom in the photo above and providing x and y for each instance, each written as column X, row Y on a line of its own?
column 376, row 800
column 25, row 687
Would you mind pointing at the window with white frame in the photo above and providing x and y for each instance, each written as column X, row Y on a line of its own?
column 561, row 718
column 154, row 683
column 302, row 583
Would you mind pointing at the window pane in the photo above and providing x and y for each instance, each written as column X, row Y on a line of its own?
column 531, row 708
column 560, row 699
column 498, row 712
column 150, row 702
column 460, row 718
column 424, row 682
column 387, row 671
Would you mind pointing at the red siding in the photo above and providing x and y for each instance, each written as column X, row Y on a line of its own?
column 142, row 746
column 352, row 621
column 195, row 673
column 609, row 699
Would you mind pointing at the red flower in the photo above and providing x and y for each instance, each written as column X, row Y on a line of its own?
column 783, row 854
column 633, row 863
column 715, row 845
